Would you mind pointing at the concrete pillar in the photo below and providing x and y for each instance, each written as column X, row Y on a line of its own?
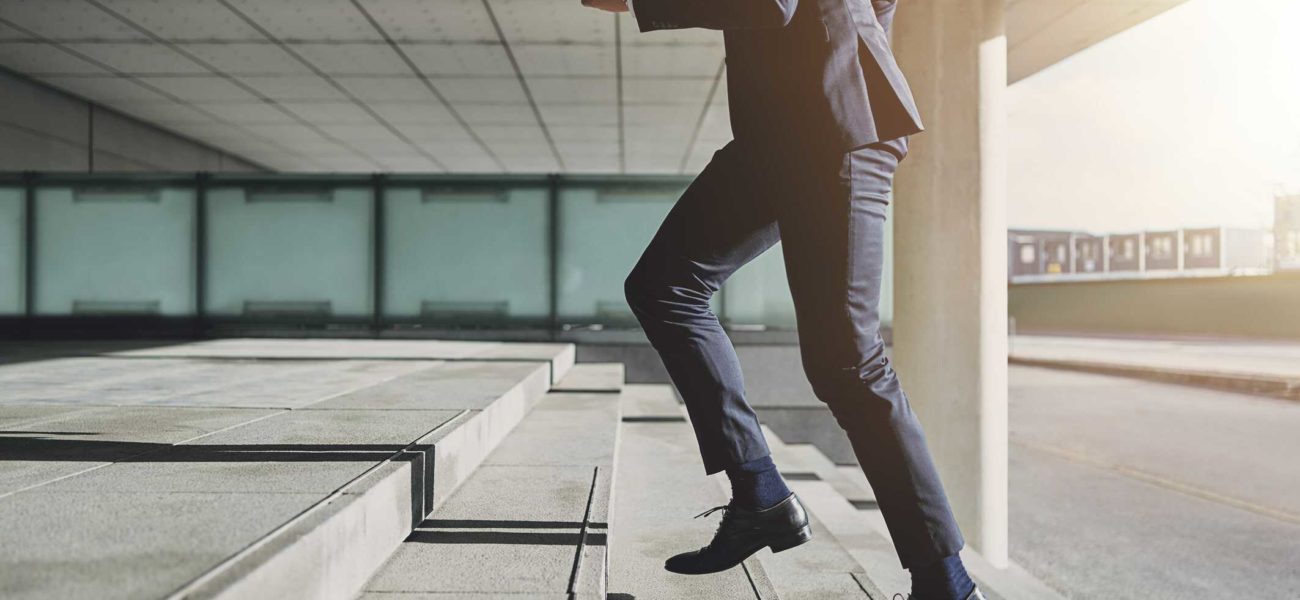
column 950, row 270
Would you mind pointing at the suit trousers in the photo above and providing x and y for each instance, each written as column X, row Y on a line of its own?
column 827, row 208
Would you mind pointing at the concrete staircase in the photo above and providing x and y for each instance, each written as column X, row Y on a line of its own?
column 381, row 469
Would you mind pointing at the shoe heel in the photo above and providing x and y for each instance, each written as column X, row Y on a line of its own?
column 790, row 540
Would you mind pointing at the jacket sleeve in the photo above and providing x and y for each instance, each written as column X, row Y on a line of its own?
column 884, row 10
column 652, row 15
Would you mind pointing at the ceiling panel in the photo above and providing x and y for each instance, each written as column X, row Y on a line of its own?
column 667, row 91
column 8, row 33
column 314, row 20
column 353, row 58
column 558, row 59
column 496, row 90
column 368, row 108
column 497, row 114
column 443, row 20
column 166, row 112
column 139, row 57
column 532, row 21
column 200, row 89
column 246, row 112
column 184, row 19
column 564, row 90
column 641, row 60
column 417, row 113
column 247, row 58
column 66, row 20
column 106, row 89
column 387, row 89
column 322, row 113
column 479, row 59
column 295, row 88
column 43, row 59
column 432, row 134
column 578, row 115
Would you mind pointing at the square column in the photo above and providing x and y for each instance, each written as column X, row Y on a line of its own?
column 950, row 271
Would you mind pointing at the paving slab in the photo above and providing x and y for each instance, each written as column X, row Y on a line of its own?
column 80, row 440
column 17, row 415
column 509, row 529
column 451, row 385
column 565, row 429
column 533, row 520
column 592, row 377
column 125, row 545
column 303, row 499
column 659, row 486
column 841, row 499
column 1269, row 368
column 291, row 452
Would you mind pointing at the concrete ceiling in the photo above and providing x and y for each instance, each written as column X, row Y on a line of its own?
column 433, row 85
column 1041, row 33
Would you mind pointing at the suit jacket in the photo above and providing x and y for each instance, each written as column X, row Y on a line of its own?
column 808, row 72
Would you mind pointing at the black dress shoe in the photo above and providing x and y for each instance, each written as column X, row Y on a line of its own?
column 744, row 532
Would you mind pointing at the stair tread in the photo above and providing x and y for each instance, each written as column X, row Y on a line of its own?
column 592, row 377
column 210, row 469
column 517, row 524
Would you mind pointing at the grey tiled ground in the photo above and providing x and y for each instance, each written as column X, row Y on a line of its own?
column 128, row 476
column 514, row 527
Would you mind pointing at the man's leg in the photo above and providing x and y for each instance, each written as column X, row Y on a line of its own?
column 832, row 226
column 718, row 225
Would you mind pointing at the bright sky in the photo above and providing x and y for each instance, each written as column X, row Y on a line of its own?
column 1189, row 119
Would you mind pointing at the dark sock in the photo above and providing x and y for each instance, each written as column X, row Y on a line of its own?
column 943, row 580
column 756, row 485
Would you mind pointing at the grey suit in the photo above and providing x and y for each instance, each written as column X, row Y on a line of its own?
column 820, row 114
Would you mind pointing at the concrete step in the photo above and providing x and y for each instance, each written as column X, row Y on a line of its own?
column 232, row 477
column 592, row 377
column 843, row 501
column 534, row 519
column 661, row 485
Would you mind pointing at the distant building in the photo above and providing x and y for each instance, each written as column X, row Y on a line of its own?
column 1286, row 233
column 1162, row 250
column 1123, row 252
column 1049, row 255
column 1033, row 252
column 1089, row 253
column 1225, row 249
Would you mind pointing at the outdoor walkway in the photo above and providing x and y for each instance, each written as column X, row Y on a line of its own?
column 373, row 468
column 1259, row 367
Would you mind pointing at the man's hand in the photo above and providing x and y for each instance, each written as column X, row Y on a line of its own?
column 614, row 6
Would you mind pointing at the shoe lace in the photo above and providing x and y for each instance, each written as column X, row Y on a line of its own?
column 726, row 514
column 713, row 510
column 900, row 597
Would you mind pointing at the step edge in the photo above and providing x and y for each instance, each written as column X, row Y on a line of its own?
column 264, row 561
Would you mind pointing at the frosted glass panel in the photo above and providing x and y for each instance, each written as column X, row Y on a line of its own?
column 115, row 250
column 11, row 251
column 602, row 233
column 289, row 251
column 758, row 295
column 476, row 255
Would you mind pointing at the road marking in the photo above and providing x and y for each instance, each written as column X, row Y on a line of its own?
column 1159, row 481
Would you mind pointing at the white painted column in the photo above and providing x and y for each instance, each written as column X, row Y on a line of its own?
column 950, row 264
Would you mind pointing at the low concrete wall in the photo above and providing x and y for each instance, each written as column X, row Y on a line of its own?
column 1265, row 306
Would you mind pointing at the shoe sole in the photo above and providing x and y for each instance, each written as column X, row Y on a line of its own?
column 797, row 538
column 786, row 542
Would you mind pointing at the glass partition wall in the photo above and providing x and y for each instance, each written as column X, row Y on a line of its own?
column 507, row 253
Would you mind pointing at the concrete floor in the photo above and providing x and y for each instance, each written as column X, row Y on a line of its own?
column 1127, row 489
